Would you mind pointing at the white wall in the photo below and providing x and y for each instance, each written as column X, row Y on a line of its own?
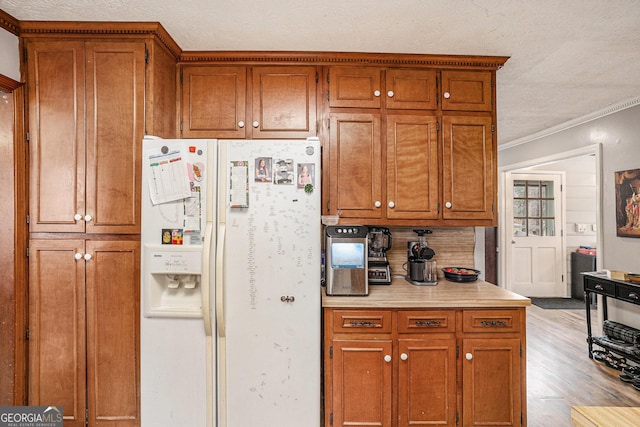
column 619, row 136
column 9, row 55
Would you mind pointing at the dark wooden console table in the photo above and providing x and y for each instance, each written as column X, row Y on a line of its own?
column 598, row 283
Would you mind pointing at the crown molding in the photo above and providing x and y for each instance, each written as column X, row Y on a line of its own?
column 614, row 108
column 9, row 23
column 100, row 29
column 345, row 58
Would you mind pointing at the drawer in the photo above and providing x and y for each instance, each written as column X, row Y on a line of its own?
column 365, row 321
column 600, row 286
column 426, row 321
column 491, row 321
column 628, row 293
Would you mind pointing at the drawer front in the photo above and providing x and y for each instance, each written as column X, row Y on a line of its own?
column 426, row 321
column 375, row 321
column 601, row 287
column 629, row 293
column 491, row 321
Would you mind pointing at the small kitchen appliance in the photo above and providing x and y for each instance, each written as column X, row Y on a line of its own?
column 378, row 269
column 419, row 255
column 346, row 249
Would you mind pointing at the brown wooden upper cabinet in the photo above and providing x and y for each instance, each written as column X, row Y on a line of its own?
column 363, row 88
column 467, row 90
column 86, row 124
column 248, row 102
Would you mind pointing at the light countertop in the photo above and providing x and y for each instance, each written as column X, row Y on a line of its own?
column 446, row 294
column 602, row 416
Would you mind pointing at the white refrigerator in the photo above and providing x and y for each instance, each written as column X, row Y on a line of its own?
column 230, row 283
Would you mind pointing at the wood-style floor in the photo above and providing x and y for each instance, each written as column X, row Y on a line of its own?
column 561, row 375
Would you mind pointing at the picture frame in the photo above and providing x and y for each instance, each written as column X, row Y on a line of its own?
column 627, row 191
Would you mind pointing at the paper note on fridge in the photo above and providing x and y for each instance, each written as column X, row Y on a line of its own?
column 168, row 174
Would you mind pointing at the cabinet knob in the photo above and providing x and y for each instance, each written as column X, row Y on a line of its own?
column 78, row 256
column 256, row 124
column 77, row 217
column 469, row 356
column 392, row 205
column 448, row 205
column 240, row 124
column 447, row 95
column 87, row 257
column 376, row 93
column 377, row 204
column 633, row 295
column 88, row 218
column 387, row 358
column 390, row 94
column 404, row 356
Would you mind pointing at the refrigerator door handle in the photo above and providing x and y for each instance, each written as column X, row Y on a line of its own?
column 206, row 282
column 220, row 281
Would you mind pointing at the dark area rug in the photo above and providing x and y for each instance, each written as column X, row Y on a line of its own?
column 558, row 303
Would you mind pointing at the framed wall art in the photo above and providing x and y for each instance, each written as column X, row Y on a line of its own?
column 628, row 203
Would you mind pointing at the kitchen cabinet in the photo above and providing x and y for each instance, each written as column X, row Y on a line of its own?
column 469, row 168
column 248, row 102
column 400, row 367
column 86, row 124
column 437, row 160
column 83, row 329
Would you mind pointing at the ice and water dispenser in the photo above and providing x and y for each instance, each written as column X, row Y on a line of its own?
column 172, row 281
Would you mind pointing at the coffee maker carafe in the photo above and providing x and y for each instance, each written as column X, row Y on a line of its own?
column 380, row 242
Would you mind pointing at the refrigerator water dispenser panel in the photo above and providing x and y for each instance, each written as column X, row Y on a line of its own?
column 171, row 283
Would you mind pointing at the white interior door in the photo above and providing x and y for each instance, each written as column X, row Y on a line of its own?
column 535, row 236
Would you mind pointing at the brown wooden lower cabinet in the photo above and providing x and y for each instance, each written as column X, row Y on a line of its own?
column 424, row 367
column 84, row 330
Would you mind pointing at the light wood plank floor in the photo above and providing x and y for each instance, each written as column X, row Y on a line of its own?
column 561, row 375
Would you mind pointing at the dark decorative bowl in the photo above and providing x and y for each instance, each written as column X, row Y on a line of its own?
column 460, row 274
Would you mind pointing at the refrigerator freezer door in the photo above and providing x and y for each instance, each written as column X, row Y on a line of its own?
column 272, row 267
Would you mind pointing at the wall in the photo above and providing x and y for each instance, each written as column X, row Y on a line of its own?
column 619, row 136
column 9, row 55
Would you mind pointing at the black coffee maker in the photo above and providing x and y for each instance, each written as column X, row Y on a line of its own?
column 380, row 241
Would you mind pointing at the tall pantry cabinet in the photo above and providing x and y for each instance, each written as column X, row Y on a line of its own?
column 94, row 90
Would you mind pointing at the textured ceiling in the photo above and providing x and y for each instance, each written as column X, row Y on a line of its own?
column 568, row 59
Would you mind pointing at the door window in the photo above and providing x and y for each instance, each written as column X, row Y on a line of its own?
column 533, row 208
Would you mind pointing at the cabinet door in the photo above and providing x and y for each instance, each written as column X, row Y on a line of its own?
column 214, row 102
column 284, row 102
column 361, row 383
column 412, row 167
column 55, row 81
column 355, row 87
column 469, row 168
column 491, row 381
column 411, row 89
column 113, row 353
column 427, row 382
column 57, row 355
column 355, row 166
column 115, row 91
column 467, row 91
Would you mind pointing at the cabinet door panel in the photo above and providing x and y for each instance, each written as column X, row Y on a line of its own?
column 468, row 168
column 361, row 383
column 57, row 357
column 213, row 102
column 411, row 89
column 468, row 91
column 113, row 354
column 491, row 382
column 284, row 102
column 355, row 87
column 412, row 167
column 427, row 382
column 355, row 170
column 56, row 127
column 115, row 128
